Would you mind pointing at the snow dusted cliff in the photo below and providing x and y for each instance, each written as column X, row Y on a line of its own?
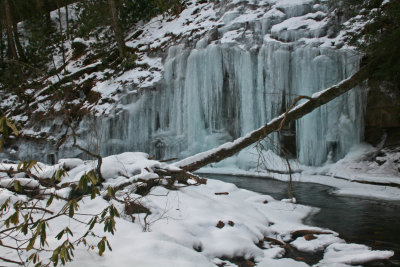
column 217, row 71
column 238, row 64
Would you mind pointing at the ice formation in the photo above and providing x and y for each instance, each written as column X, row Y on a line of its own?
column 225, row 86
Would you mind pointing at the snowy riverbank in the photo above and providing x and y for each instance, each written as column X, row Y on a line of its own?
column 366, row 171
column 198, row 225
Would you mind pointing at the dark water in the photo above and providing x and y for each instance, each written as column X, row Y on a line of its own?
column 373, row 222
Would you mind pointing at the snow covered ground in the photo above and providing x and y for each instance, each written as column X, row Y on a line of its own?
column 192, row 225
column 198, row 225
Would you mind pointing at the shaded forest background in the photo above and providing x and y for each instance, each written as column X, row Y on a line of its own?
column 30, row 37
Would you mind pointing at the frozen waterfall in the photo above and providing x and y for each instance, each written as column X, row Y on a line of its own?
column 218, row 92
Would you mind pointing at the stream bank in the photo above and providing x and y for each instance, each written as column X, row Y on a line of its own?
column 362, row 220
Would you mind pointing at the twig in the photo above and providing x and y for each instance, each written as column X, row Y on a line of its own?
column 98, row 157
column 37, row 208
column 290, row 108
column 11, row 261
column 168, row 160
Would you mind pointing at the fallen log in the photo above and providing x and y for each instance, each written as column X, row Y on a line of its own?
column 318, row 99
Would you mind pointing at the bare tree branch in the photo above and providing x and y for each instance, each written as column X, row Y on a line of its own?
column 11, row 261
column 226, row 150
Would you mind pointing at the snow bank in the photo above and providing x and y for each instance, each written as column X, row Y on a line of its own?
column 319, row 243
column 352, row 254
column 194, row 225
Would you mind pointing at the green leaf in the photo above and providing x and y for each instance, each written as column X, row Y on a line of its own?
column 4, row 206
column 12, row 127
column 24, row 228
column 54, row 258
column 108, row 245
column 32, row 164
column 93, row 177
column 112, row 212
column 115, row 212
column 71, row 210
column 93, row 195
column 20, row 165
column 111, row 192
column 31, row 256
column 104, row 213
column 80, row 184
column 36, row 166
column 109, row 225
column 3, row 126
column 60, row 234
column 14, row 218
column 95, row 192
column 92, row 222
column 7, row 222
column 59, row 174
column 17, row 186
column 62, row 254
column 43, row 234
column 69, row 231
column 83, row 183
column 35, row 224
column 50, row 200
column 72, row 206
column 31, row 242
column 101, row 246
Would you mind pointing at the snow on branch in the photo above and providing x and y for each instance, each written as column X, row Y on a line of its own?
column 318, row 99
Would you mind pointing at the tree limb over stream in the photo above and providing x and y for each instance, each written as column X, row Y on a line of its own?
column 318, row 99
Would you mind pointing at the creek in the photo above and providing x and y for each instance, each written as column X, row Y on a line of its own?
column 373, row 222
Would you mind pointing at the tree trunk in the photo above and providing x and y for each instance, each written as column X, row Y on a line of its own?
column 39, row 5
column 47, row 10
column 117, row 29
column 20, row 50
column 67, row 21
column 9, row 24
column 12, row 33
column 226, row 150
column 2, row 46
column 61, row 33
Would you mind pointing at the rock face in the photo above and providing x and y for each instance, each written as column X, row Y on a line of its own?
column 253, row 60
column 382, row 122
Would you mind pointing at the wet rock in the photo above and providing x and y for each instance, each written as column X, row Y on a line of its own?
column 220, row 224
